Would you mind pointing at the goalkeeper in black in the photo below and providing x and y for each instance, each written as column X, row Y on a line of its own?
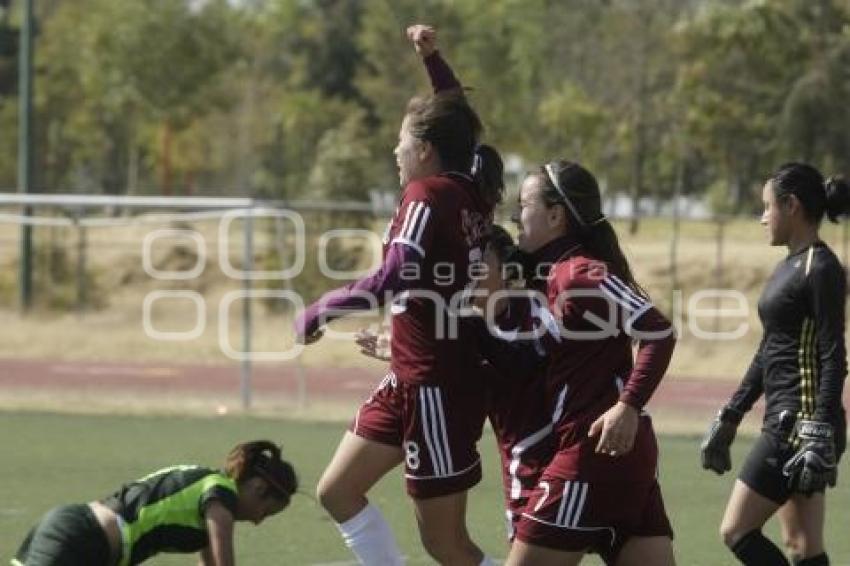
column 800, row 368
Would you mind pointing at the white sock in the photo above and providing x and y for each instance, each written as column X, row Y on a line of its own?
column 487, row 562
column 369, row 537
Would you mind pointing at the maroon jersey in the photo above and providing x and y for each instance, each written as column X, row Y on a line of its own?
column 520, row 415
column 522, row 423
column 599, row 317
column 442, row 218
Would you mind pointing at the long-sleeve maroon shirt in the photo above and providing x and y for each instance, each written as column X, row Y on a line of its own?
column 587, row 320
column 599, row 318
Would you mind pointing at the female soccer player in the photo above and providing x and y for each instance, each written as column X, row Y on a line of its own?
column 179, row 509
column 424, row 413
column 599, row 492
column 800, row 367
column 516, row 407
column 487, row 166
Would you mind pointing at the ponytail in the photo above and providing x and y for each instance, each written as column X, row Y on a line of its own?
column 568, row 184
column 600, row 241
column 262, row 458
column 488, row 172
column 837, row 198
column 816, row 195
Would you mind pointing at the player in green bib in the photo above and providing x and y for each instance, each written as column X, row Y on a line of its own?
column 182, row 509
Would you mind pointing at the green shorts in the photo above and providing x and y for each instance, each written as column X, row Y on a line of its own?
column 66, row 536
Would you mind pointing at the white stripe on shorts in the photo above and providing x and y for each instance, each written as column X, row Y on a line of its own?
column 447, row 449
column 572, row 504
column 427, row 418
column 433, row 394
column 611, row 530
column 565, row 497
column 477, row 462
column 573, row 521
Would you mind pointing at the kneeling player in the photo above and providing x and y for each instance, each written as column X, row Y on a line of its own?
column 179, row 509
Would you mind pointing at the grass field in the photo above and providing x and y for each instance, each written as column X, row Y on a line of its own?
column 55, row 458
column 51, row 459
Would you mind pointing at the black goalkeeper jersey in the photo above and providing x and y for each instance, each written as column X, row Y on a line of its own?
column 801, row 363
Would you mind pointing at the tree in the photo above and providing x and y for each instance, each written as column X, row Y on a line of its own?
column 344, row 167
column 815, row 117
column 739, row 61
column 133, row 63
column 8, row 60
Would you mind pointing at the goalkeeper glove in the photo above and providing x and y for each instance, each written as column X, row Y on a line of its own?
column 813, row 466
column 715, row 445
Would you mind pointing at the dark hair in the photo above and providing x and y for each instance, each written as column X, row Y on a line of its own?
column 515, row 262
column 449, row 123
column 572, row 186
column 261, row 458
column 500, row 241
column 816, row 195
column 488, row 171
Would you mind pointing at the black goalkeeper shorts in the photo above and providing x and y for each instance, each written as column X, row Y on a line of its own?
column 762, row 470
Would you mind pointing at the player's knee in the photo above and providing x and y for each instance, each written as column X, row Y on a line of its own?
column 799, row 544
column 794, row 543
column 446, row 547
column 333, row 498
column 730, row 534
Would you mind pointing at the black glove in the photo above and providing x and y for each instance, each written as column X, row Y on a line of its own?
column 813, row 466
column 715, row 445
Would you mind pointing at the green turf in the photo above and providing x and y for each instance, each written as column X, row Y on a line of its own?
column 51, row 459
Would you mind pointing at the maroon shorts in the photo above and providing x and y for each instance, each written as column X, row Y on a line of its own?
column 523, row 425
column 594, row 503
column 437, row 426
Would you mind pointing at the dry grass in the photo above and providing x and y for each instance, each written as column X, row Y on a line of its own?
column 116, row 332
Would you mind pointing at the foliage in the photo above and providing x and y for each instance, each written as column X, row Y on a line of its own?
column 286, row 99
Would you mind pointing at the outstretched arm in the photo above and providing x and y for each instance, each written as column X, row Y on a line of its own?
column 442, row 77
column 417, row 220
column 365, row 294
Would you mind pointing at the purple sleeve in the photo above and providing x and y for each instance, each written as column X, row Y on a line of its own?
column 441, row 75
column 366, row 294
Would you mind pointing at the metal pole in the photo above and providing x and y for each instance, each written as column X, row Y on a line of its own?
column 82, row 294
column 718, row 282
column 25, row 168
column 248, row 267
column 674, row 238
column 300, row 375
